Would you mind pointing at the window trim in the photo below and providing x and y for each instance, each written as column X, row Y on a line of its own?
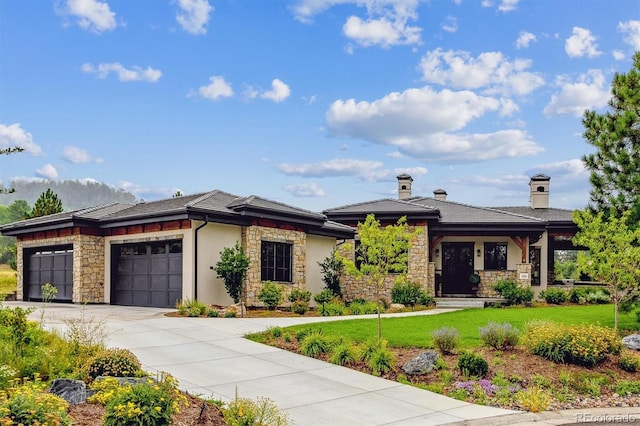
column 495, row 263
column 275, row 266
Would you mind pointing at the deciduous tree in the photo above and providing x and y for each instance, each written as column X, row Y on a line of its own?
column 614, row 253
column 232, row 268
column 383, row 250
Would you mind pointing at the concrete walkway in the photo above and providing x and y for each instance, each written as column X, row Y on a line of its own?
column 210, row 358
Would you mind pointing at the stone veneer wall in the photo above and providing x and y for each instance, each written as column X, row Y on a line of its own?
column 252, row 237
column 88, row 265
column 420, row 271
column 488, row 278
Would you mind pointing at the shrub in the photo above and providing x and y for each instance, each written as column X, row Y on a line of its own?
column 554, row 296
column 213, row 313
column 406, row 293
column 113, row 362
column 629, row 362
column 270, row 294
column 343, row 354
column 335, row 309
column 512, row 292
column 369, row 347
column 445, row 339
column 471, row 364
column 232, row 268
column 362, row 307
column 275, row 331
column 585, row 344
column 322, row 298
column 598, row 297
column 245, row 412
column 626, row 387
column 300, row 307
column 302, row 333
column 191, row 307
column 332, row 268
column 426, row 300
column 150, row 402
column 500, row 336
column 381, row 361
column 230, row 314
column 29, row 404
column 314, row 344
column 299, row 295
column 534, row 399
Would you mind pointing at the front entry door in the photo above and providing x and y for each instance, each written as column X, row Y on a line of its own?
column 457, row 266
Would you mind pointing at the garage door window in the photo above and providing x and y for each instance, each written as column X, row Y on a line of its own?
column 276, row 261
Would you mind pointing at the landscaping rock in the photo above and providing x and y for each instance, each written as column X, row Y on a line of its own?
column 72, row 391
column 396, row 306
column 238, row 308
column 421, row 364
column 632, row 341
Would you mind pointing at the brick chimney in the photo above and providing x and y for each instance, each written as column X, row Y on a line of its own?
column 440, row 195
column 539, row 195
column 404, row 186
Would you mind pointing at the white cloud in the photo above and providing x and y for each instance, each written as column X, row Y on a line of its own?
column 450, row 24
column 76, row 155
column 193, row 15
column 412, row 171
column 489, row 71
column 567, row 168
column 218, row 88
column 567, row 176
column 92, row 15
column 419, row 123
column 250, row 92
column 331, row 168
column 381, row 32
column 136, row 73
column 310, row 189
column 632, row 28
column 503, row 5
column 47, row 172
column 581, row 43
column 386, row 22
column 13, row 135
column 589, row 90
column 618, row 55
column 525, row 39
column 278, row 93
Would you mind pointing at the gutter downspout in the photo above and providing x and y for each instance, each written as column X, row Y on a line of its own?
column 195, row 255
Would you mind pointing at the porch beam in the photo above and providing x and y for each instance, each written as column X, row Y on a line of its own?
column 522, row 243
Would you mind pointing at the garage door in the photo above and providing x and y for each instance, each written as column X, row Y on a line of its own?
column 147, row 274
column 50, row 265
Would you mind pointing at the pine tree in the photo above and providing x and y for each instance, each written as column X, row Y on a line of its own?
column 47, row 204
column 615, row 166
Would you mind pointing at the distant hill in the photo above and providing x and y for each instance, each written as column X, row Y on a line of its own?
column 74, row 194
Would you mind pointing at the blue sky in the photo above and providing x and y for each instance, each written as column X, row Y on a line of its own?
column 315, row 103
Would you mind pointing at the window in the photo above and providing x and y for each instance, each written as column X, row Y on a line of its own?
column 495, row 256
column 276, row 261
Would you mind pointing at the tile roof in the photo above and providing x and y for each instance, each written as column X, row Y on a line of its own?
column 385, row 205
column 548, row 214
column 453, row 212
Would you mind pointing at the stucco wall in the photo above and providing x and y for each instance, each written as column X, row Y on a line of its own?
column 318, row 249
column 213, row 238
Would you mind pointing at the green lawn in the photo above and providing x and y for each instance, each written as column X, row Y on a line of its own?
column 416, row 331
column 8, row 279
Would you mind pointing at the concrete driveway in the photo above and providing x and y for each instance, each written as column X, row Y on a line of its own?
column 209, row 357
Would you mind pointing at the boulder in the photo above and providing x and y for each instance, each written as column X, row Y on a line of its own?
column 396, row 306
column 421, row 364
column 72, row 391
column 632, row 341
